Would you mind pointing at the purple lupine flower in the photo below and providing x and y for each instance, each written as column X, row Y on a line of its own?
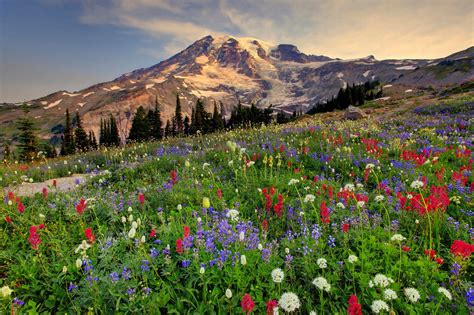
column 114, row 277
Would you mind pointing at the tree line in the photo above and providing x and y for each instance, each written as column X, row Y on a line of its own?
column 354, row 95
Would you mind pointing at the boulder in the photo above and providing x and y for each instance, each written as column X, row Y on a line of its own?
column 354, row 113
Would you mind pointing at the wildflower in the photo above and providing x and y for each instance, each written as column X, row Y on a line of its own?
column 186, row 231
column 382, row 281
column 152, row 233
column 406, row 248
column 324, row 212
column 369, row 166
column 8, row 219
column 360, row 204
column 397, row 238
column 18, row 302
column 78, row 263
column 322, row 263
column 179, row 246
column 352, row 258
column 64, row 269
column 135, row 224
column 309, row 198
column 389, row 295
column 431, row 253
column 340, row 205
column 132, row 232
column 322, row 284
column 219, row 193
column 81, row 206
column 354, row 307
column 202, row 270
column 141, row 198
column 461, row 248
column 233, row 215
column 228, row 293
column 379, row 198
column 289, row 302
column 445, row 292
column 412, row 294
column 378, row 306
column 439, row 261
column 271, row 306
column 345, row 227
column 470, row 297
column 20, row 207
column 89, row 235
column 247, row 303
column 34, row 239
column 416, row 184
column 206, row 203
column 277, row 275
column 142, row 239
column 293, row 182
column 243, row 260
column 5, row 291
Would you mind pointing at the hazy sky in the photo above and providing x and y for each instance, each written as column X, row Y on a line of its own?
column 50, row 45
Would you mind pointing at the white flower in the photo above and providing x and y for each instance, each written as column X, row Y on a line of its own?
column 242, row 236
column 360, row 204
column 289, row 302
column 228, row 293
column 64, row 269
column 322, row 284
column 416, row 184
column 397, row 238
column 293, row 182
column 275, row 310
column 309, row 198
column 123, row 219
column 134, row 225
column 287, row 250
column 132, row 232
column 417, row 221
column 277, row 275
column 371, row 284
column 78, row 263
column 379, row 198
column 378, row 306
column 260, row 246
column 340, row 205
column 233, row 215
column 143, row 239
column 381, row 280
column 445, row 292
column 243, row 260
column 412, row 294
column 202, row 270
column 41, row 216
column 349, row 187
column 322, row 263
column 179, row 207
column 312, row 313
column 389, row 294
column 352, row 259
column 83, row 246
column 5, row 291
column 369, row 166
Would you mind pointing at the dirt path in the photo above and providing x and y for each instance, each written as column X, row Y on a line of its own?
column 63, row 184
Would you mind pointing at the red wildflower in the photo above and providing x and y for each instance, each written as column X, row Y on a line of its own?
column 41, row 226
column 8, row 219
column 439, row 261
column 406, row 248
column 247, row 303
column 174, row 176
column 186, row 231
column 345, row 227
column 219, row 193
column 55, row 183
column 354, row 307
column 89, row 235
column 461, row 248
column 20, row 207
column 152, row 233
column 268, row 202
column 11, row 196
column 265, row 225
column 34, row 239
column 179, row 246
column 141, row 198
column 430, row 253
column 279, row 206
column 272, row 190
column 81, row 206
column 45, row 192
column 324, row 212
column 270, row 306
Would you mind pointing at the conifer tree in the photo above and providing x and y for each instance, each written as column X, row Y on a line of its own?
column 28, row 143
column 168, row 129
column 81, row 140
column 156, row 129
column 114, row 134
column 186, row 125
column 217, row 122
column 139, row 130
column 68, row 136
column 178, row 117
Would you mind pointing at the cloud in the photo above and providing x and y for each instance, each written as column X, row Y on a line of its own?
column 347, row 29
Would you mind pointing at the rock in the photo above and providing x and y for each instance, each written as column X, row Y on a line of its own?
column 354, row 113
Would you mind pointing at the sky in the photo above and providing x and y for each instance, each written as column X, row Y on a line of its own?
column 51, row 45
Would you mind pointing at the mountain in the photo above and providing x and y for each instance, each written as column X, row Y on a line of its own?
column 228, row 69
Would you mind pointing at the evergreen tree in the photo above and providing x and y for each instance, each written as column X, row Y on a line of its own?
column 28, row 144
column 114, row 134
column 102, row 132
column 186, row 125
column 6, row 153
column 217, row 122
column 178, row 117
column 81, row 140
column 140, row 129
column 92, row 140
column 168, row 129
column 156, row 129
column 68, row 136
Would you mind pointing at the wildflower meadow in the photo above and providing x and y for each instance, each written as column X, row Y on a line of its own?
column 309, row 217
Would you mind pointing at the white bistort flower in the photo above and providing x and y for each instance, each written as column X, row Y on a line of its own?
column 132, row 232
column 352, row 259
column 416, row 184
column 379, row 198
column 243, row 260
column 349, row 187
column 277, row 275
column 322, row 284
column 412, row 294
column 340, row 205
column 293, row 182
column 397, row 238
column 369, row 166
column 233, row 215
column 445, row 292
column 322, row 263
column 382, row 281
column 378, row 306
column 389, row 295
column 289, row 302
column 228, row 293
column 309, row 198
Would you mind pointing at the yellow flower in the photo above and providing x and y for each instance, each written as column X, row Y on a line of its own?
column 5, row 291
column 206, row 203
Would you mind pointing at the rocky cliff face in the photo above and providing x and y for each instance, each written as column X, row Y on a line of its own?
column 229, row 69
